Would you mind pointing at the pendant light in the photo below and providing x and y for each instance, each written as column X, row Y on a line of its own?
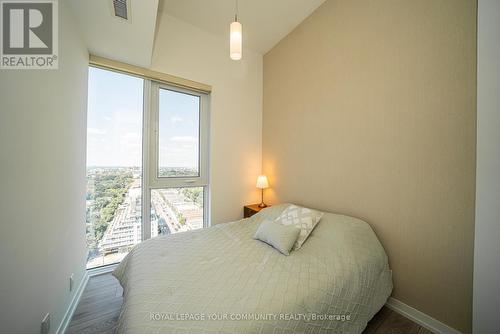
column 235, row 37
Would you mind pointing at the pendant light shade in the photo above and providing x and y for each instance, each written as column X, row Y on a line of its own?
column 235, row 37
column 235, row 41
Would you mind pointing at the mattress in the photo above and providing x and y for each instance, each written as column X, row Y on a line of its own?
column 221, row 280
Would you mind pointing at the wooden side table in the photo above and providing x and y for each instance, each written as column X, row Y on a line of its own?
column 250, row 210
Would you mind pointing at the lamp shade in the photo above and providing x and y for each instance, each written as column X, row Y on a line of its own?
column 262, row 182
column 235, row 41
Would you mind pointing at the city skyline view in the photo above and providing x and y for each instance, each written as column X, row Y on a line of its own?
column 114, row 221
column 114, row 212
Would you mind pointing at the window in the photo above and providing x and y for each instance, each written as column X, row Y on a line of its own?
column 147, row 152
column 178, row 161
column 114, row 165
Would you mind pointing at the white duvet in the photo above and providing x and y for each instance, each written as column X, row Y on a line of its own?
column 220, row 280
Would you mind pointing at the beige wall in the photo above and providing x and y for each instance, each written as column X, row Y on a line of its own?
column 369, row 110
column 236, row 109
column 43, row 131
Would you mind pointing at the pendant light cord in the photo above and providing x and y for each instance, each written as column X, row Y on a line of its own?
column 236, row 11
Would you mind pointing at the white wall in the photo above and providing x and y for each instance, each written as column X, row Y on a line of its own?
column 487, row 230
column 236, row 108
column 42, row 187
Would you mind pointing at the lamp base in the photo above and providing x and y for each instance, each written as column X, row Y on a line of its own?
column 262, row 205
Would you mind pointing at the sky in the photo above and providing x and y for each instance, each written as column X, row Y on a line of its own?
column 179, row 129
column 114, row 123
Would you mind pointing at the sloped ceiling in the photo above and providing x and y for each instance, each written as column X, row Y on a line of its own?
column 107, row 36
column 265, row 22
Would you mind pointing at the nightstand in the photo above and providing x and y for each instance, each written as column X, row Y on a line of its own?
column 250, row 210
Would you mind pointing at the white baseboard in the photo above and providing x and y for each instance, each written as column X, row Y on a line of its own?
column 420, row 318
column 102, row 270
column 63, row 326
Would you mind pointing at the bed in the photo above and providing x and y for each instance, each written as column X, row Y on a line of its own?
column 221, row 280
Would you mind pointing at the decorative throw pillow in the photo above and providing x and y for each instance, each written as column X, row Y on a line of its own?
column 279, row 236
column 303, row 218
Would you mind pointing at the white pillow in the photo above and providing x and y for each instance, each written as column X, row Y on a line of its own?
column 303, row 218
column 279, row 236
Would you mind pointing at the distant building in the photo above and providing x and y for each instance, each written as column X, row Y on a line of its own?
column 125, row 229
column 171, row 212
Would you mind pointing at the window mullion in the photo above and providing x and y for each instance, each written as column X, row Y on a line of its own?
column 146, row 179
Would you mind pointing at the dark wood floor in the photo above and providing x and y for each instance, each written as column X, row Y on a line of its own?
column 102, row 299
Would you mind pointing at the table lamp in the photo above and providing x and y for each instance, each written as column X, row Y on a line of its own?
column 262, row 184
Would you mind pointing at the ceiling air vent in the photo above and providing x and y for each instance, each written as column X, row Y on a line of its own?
column 120, row 8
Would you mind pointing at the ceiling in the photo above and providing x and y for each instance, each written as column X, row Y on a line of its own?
column 107, row 36
column 265, row 22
